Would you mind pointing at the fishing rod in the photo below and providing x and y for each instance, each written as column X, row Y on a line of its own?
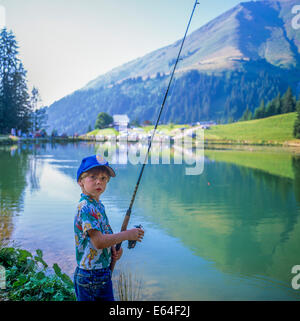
column 131, row 244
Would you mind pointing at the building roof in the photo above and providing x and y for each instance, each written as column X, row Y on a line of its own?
column 121, row 118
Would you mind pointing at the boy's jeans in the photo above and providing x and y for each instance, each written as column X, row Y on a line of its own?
column 93, row 285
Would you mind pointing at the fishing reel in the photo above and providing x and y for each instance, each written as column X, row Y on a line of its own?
column 131, row 244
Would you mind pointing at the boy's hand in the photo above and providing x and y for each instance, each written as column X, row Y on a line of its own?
column 116, row 255
column 135, row 234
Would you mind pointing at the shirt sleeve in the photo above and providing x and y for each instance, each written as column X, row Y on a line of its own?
column 104, row 221
column 89, row 220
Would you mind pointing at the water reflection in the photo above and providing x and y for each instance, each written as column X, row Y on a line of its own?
column 19, row 168
column 236, row 221
column 13, row 169
column 245, row 221
column 296, row 169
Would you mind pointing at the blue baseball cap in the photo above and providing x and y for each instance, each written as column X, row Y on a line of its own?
column 94, row 161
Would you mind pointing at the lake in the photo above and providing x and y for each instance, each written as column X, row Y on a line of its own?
column 231, row 233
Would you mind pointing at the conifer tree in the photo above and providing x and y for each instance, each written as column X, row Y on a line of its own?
column 260, row 112
column 38, row 113
column 15, row 106
column 247, row 115
column 297, row 122
column 288, row 102
column 278, row 104
column 271, row 108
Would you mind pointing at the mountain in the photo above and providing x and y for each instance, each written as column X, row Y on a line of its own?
column 248, row 53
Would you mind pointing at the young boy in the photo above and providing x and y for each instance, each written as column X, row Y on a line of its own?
column 94, row 238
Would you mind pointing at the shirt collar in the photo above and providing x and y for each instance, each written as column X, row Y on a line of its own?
column 89, row 199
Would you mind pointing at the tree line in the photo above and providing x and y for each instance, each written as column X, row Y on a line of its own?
column 279, row 105
column 193, row 97
column 18, row 107
column 296, row 131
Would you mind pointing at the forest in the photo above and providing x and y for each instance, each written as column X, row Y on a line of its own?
column 194, row 96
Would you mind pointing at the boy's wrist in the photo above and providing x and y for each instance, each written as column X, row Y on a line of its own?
column 125, row 235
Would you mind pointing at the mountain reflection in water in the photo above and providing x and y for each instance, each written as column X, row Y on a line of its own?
column 231, row 233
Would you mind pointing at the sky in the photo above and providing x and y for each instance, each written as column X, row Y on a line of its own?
column 64, row 44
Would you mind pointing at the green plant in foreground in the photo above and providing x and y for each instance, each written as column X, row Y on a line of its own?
column 28, row 277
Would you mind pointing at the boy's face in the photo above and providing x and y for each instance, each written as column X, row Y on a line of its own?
column 93, row 183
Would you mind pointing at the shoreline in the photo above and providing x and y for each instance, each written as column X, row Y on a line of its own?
column 16, row 140
column 292, row 146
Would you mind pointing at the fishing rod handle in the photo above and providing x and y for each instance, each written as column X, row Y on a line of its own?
column 124, row 226
column 132, row 243
column 118, row 246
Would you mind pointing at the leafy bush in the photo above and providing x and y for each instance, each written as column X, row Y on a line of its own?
column 28, row 277
column 103, row 120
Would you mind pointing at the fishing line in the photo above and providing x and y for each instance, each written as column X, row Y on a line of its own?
column 170, row 95
column 128, row 213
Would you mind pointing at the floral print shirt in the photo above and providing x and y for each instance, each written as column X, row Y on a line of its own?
column 90, row 215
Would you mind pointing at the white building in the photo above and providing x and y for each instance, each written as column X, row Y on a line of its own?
column 121, row 122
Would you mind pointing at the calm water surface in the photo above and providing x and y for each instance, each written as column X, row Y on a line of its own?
column 232, row 233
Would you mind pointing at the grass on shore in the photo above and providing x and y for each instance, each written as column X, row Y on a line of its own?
column 7, row 139
column 104, row 132
column 129, row 286
column 275, row 130
column 272, row 130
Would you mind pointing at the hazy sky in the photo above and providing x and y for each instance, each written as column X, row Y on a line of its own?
column 66, row 43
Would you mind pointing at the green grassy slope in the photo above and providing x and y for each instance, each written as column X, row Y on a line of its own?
column 273, row 130
column 106, row 131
